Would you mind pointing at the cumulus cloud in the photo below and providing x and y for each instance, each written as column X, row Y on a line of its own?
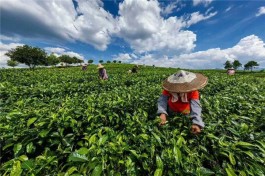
column 4, row 48
column 125, row 57
column 142, row 26
column 152, row 59
column 204, row 2
column 88, row 22
column 61, row 51
column 261, row 11
column 139, row 22
column 248, row 48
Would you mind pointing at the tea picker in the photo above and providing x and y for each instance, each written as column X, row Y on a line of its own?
column 102, row 73
column 180, row 95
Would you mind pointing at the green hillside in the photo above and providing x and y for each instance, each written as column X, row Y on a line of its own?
column 65, row 121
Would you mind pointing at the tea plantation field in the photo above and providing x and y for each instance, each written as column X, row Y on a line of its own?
column 64, row 121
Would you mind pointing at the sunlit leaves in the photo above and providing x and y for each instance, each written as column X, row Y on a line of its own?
column 63, row 121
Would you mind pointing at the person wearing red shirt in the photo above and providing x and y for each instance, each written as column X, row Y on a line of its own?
column 180, row 95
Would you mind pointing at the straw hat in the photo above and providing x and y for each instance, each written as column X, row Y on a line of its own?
column 184, row 81
column 100, row 66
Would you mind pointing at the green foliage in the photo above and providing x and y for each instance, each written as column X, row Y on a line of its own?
column 250, row 65
column 236, row 64
column 66, row 59
column 101, row 61
column 70, row 60
column 12, row 63
column 52, row 60
column 67, row 122
column 31, row 56
column 228, row 65
column 114, row 61
column 76, row 60
column 90, row 61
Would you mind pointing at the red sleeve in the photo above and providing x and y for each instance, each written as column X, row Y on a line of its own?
column 165, row 92
column 195, row 95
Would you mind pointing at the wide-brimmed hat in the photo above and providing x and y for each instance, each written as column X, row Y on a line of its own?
column 100, row 66
column 184, row 81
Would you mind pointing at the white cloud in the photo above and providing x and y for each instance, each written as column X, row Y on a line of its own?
column 151, row 59
column 228, row 9
column 139, row 23
column 170, row 8
column 55, row 50
column 61, row 51
column 261, row 11
column 209, row 10
column 74, row 54
column 89, row 23
column 6, row 38
column 248, row 48
column 197, row 17
column 142, row 26
column 4, row 48
column 125, row 57
column 204, row 2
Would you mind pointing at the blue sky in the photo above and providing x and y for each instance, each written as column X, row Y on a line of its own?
column 198, row 34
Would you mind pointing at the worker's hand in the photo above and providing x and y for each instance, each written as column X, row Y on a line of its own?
column 163, row 118
column 195, row 129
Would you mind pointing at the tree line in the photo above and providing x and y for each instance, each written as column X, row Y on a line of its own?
column 236, row 64
column 34, row 56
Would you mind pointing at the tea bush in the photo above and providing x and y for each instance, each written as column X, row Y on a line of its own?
column 64, row 121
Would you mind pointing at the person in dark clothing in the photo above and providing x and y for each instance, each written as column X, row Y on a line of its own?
column 102, row 73
column 84, row 67
column 135, row 69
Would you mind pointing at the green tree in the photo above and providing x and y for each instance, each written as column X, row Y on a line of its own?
column 114, row 61
column 236, row 64
column 76, row 60
column 228, row 64
column 53, row 60
column 66, row 59
column 101, row 61
column 108, row 62
column 90, row 61
column 250, row 65
column 119, row 61
column 28, row 55
column 12, row 63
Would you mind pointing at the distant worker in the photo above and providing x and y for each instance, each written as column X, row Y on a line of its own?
column 180, row 95
column 102, row 73
column 135, row 69
column 231, row 71
column 84, row 67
